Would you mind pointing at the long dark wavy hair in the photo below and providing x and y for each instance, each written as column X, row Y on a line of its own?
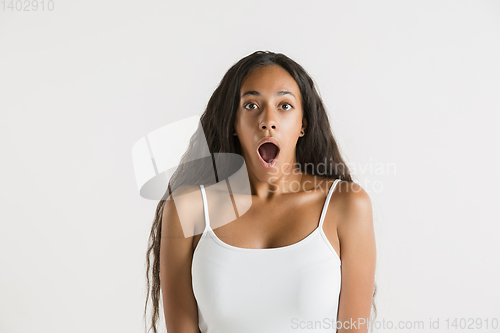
column 217, row 122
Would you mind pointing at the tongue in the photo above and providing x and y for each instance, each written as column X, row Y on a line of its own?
column 268, row 151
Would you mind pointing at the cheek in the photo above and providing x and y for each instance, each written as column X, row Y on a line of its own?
column 241, row 122
column 292, row 126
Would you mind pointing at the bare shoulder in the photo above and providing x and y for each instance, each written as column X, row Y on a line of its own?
column 354, row 208
column 352, row 195
column 181, row 212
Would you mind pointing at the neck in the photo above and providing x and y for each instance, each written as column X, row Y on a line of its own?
column 275, row 184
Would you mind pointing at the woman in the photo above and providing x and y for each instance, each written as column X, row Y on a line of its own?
column 302, row 256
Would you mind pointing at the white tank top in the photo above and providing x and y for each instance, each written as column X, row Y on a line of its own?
column 294, row 288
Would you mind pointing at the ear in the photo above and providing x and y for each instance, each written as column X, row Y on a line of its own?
column 304, row 123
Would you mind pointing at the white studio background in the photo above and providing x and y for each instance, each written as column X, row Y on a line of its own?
column 411, row 88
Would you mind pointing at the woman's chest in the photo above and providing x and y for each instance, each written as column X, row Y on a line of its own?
column 271, row 225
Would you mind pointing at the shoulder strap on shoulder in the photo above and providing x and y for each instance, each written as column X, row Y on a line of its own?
column 327, row 201
column 205, row 207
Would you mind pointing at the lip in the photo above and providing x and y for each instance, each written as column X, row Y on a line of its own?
column 264, row 163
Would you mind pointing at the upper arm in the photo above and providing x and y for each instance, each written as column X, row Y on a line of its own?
column 176, row 253
column 358, row 255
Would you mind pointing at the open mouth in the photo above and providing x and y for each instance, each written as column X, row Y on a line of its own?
column 268, row 154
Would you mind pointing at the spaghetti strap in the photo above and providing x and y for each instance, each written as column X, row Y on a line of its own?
column 327, row 201
column 205, row 207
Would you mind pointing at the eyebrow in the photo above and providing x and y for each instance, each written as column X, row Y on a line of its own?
column 256, row 93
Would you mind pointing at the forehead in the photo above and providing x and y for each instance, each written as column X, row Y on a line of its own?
column 269, row 79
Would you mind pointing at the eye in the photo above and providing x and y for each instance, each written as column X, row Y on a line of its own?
column 286, row 106
column 250, row 106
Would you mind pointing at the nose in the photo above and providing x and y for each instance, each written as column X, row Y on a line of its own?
column 268, row 121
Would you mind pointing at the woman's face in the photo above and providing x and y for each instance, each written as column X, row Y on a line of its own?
column 270, row 107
